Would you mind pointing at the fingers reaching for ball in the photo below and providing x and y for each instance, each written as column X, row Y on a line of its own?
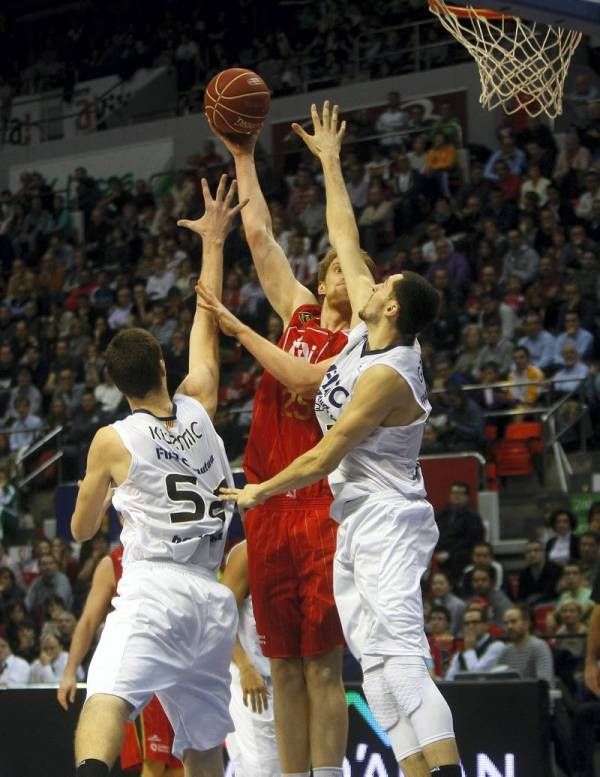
column 219, row 215
column 327, row 136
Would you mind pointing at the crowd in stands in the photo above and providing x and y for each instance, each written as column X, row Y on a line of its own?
column 289, row 44
column 511, row 239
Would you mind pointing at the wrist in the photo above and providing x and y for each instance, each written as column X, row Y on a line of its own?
column 213, row 239
column 243, row 332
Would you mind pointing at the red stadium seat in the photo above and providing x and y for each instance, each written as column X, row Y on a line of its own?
column 513, row 458
column 541, row 613
column 530, row 432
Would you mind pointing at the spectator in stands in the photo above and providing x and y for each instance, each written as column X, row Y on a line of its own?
column 540, row 344
column 493, row 397
column 463, row 426
column 87, row 418
column 572, row 374
column 446, row 257
column 68, row 390
column 391, row 122
column 509, row 153
column 472, row 342
column 495, row 600
column 27, row 641
column 358, row 185
column 10, row 591
column 448, row 125
column 160, row 281
column 107, row 394
column 481, row 651
column 14, row 671
column 590, row 194
column 538, row 580
column 461, row 528
column 525, row 654
column 302, row 260
column 520, row 261
column 120, row 313
column 440, row 162
column 50, row 582
column 482, row 557
column 312, row 217
column 589, row 556
column 535, row 182
column 440, row 594
column 574, row 302
column 573, row 585
column 50, row 666
column 496, row 350
column 571, row 632
column 525, row 372
column 442, row 643
column 564, row 546
column 26, row 427
column 65, row 626
column 376, row 222
column 575, row 335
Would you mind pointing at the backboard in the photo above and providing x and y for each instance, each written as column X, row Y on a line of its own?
column 583, row 15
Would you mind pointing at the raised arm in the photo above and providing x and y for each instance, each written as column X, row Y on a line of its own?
column 283, row 291
column 379, row 392
column 325, row 144
column 96, row 607
column 202, row 380
column 95, row 491
column 297, row 374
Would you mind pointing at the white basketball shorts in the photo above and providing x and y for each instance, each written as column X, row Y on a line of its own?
column 384, row 547
column 252, row 746
column 171, row 633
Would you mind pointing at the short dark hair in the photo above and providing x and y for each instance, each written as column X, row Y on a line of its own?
column 419, row 303
column 133, row 361
column 522, row 348
column 461, row 484
column 560, row 511
column 593, row 534
column 441, row 609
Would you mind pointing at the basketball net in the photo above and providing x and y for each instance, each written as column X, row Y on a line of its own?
column 522, row 65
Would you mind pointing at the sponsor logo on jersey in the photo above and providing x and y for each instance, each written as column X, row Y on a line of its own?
column 302, row 350
column 307, row 315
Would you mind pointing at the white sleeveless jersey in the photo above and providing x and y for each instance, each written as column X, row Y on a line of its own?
column 387, row 460
column 248, row 635
column 169, row 501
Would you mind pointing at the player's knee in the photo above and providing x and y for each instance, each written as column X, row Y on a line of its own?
column 287, row 674
column 323, row 671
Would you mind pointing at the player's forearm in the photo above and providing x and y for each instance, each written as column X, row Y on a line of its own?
column 80, row 645
column 204, row 337
column 305, row 470
column 239, row 656
column 255, row 216
column 297, row 374
column 341, row 222
column 593, row 640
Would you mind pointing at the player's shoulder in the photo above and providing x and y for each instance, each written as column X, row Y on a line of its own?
column 106, row 439
column 305, row 315
column 186, row 403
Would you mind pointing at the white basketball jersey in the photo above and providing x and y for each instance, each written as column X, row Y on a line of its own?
column 387, row 460
column 169, row 501
column 247, row 633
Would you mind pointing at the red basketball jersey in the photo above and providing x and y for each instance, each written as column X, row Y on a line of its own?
column 283, row 423
column 116, row 556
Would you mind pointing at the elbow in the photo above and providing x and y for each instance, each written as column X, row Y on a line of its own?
column 79, row 532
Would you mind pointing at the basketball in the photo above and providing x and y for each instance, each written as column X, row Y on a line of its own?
column 237, row 100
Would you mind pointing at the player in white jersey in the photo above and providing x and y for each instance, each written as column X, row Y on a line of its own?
column 373, row 406
column 172, row 628
column 252, row 746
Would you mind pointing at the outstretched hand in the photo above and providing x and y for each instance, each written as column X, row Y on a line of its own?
column 246, row 498
column 236, row 144
column 218, row 216
column 207, row 300
column 327, row 136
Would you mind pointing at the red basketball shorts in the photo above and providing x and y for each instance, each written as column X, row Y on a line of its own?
column 148, row 738
column 291, row 545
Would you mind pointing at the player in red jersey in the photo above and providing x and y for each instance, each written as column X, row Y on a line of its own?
column 147, row 741
column 291, row 539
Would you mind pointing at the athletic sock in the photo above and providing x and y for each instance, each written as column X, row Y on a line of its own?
column 295, row 774
column 92, row 767
column 328, row 771
column 450, row 770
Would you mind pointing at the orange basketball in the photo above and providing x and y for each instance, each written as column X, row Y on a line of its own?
column 237, row 100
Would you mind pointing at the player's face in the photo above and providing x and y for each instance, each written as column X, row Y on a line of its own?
column 383, row 293
column 333, row 287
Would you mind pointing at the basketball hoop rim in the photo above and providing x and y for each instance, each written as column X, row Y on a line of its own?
column 463, row 12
